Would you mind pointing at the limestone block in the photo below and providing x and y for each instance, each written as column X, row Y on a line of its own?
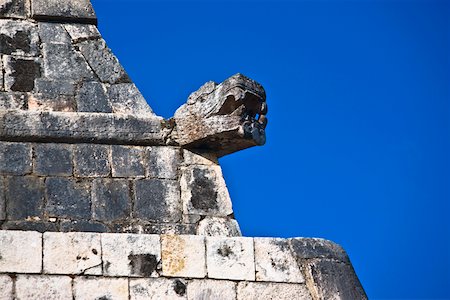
column 230, row 258
column 88, row 288
column 15, row 158
column 14, row 9
column 204, row 192
column 166, row 228
column 134, row 255
column 211, row 289
column 2, row 200
column 157, row 289
column 272, row 291
column 53, row 33
column 275, row 262
column 55, row 88
column 307, row 248
column 183, row 256
column 158, row 200
column 92, row 160
column 30, row 225
column 92, row 98
column 82, row 32
column 19, row 38
column 20, row 73
column 110, row 199
column 163, row 162
column 126, row 99
column 53, row 159
column 127, row 161
column 24, row 197
column 46, row 102
column 6, row 287
column 63, row 10
column 13, row 100
column 81, row 225
column 20, row 252
column 43, row 287
column 199, row 158
column 68, row 198
column 214, row 226
column 72, row 253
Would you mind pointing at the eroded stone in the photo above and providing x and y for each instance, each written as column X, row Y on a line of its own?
column 211, row 289
column 80, row 10
column 43, row 287
column 214, row 226
column 307, row 248
column 273, row 291
column 110, row 199
column 23, row 253
column 21, row 73
column 157, row 289
column 92, row 98
column 127, row 161
column 163, row 162
column 87, row 288
column 126, row 99
column 6, row 286
column 53, row 33
column 14, row 8
column 92, row 160
column 13, row 100
column 18, row 38
column 53, row 159
column 15, row 158
column 81, row 32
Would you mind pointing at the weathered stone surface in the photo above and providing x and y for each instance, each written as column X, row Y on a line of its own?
column 14, row 9
column 92, row 98
column 62, row 62
column 72, row 253
column 13, row 100
column 53, row 159
column 274, row 261
column 126, row 99
column 55, row 88
column 2, row 200
column 191, row 219
column 192, row 157
column 15, row 158
column 24, row 197
column 43, row 287
column 30, row 225
column 2, row 81
column 127, row 161
column 82, row 226
column 158, row 200
column 211, row 289
column 20, row 73
column 166, row 228
column 79, row 11
column 82, row 32
column 328, row 279
column 6, row 286
column 92, row 160
column 85, row 288
column 157, row 289
column 134, row 255
column 214, row 226
column 230, row 258
column 110, row 199
column 204, row 192
column 23, row 253
column 163, row 162
column 273, row 291
column 46, row 102
column 306, row 248
column 183, row 256
column 68, row 198
column 18, row 38
column 53, row 33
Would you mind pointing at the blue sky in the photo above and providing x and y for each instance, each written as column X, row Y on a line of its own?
column 358, row 139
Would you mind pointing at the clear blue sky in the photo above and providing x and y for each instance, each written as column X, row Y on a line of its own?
column 358, row 141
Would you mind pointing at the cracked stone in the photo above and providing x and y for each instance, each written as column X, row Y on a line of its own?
column 81, row 32
column 53, row 33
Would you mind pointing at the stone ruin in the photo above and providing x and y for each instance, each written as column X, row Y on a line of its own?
column 102, row 199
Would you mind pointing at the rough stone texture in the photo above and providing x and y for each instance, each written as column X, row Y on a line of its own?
column 24, row 198
column 20, row 73
column 273, row 291
column 18, row 38
column 92, row 98
column 81, row 32
column 204, row 192
column 54, row 88
column 183, row 256
column 157, row 289
column 14, row 9
column 53, row 33
column 43, row 287
column 110, row 199
column 23, row 253
column 72, row 253
column 214, row 226
column 92, row 160
column 126, row 99
column 192, row 157
column 53, row 159
column 82, row 225
column 13, row 100
column 85, row 288
column 211, row 289
column 68, row 198
column 230, row 258
column 166, row 228
column 80, row 10
column 6, row 287
column 2, row 200
column 131, row 255
column 157, row 200
column 163, row 162
column 30, row 225
column 45, row 102
column 308, row 248
column 275, row 262
column 127, row 161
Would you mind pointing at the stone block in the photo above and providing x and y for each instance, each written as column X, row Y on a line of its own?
column 18, row 38
column 214, row 226
column 55, row 88
column 24, row 197
column 46, row 102
column 274, row 261
column 53, row 33
column 157, row 200
column 92, row 98
column 53, row 159
column 80, row 10
column 230, row 258
column 82, row 32
column 127, row 161
column 211, row 289
column 203, row 191
column 13, row 100
column 166, row 228
column 125, row 98
column 2, row 200
column 183, row 256
column 199, row 158
column 43, row 287
column 273, row 291
column 163, row 162
column 72, row 253
column 68, row 198
column 63, row 62
column 15, row 158
column 20, row 73
column 6, row 286
column 21, row 252
column 110, row 199
column 14, row 9
column 28, row 225
column 92, row 160
column 307, row 248
column 133, row 255
column 83, row 226
column 87, row 288
column 157, row 289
